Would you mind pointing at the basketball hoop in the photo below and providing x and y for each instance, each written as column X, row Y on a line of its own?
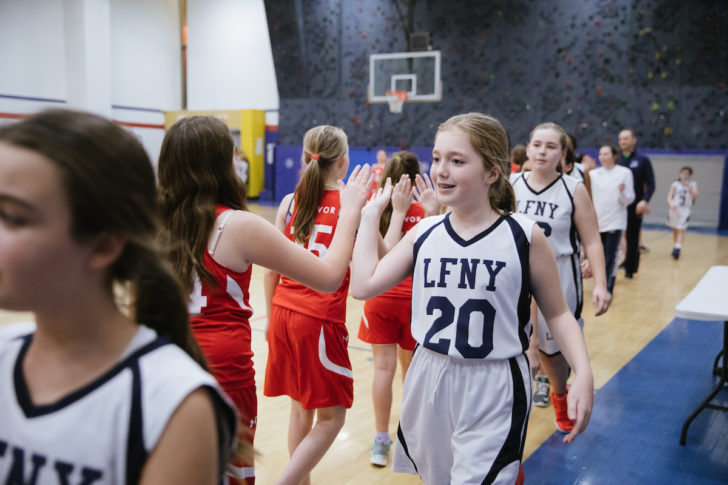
column 396, row 99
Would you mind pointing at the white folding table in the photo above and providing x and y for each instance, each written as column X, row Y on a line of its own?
column 708, row 301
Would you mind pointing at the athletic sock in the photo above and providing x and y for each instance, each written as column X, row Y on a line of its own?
column 382, row 437
column 677, row 245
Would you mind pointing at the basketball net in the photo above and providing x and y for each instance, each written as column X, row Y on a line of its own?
column 396, row 100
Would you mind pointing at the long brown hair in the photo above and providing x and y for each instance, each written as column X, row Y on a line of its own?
column 399, row 164
column 109, row 182
column 323, row 146
column 195, row 172
column 489, row 139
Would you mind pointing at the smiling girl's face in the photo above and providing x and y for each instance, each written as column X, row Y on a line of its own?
column 457, row 170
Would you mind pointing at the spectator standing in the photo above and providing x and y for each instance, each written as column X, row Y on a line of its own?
column 644, row 187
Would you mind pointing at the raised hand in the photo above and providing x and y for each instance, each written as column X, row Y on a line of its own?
column 354, row 194
column 424, row 193
column 402, row 194
column 379, row 199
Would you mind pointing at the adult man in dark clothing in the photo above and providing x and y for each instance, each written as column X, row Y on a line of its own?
column 644, row 187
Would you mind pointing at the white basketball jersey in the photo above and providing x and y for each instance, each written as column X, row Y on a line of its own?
column 103, row 432
column 681, row 194
column 577, row 172
column 471, row 299
column 552, row 208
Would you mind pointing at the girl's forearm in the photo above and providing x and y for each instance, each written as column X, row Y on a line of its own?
column 366, row 257
column 394, row 231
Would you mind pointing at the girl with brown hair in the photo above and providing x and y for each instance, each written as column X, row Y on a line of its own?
column 89, row 390
column 214, row 243
column 466, row 397
column 561, row 206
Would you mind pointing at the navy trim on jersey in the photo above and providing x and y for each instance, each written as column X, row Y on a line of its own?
column 519, row 177
column 31, row 410
column 421, row 239
column 462, row 242
column 226, row 420
column 136, row 454
column 403, row 444
column 525, row 181
column 512, row 449
column 524, row 299
column 575, row 268
column 576, row 272
column 573, row 234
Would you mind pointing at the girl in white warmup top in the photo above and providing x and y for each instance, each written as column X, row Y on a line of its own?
column 88, row 394
column 612, row 191
column 466, row 397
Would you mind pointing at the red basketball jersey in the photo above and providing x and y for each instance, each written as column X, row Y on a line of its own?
column 299, row 298
column 414, row 214
column 220, row 322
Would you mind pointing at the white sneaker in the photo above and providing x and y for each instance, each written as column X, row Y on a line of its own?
column 541, row 392
column 380, row 452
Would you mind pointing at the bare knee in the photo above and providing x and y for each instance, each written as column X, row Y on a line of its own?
column 332, row 419
column 301, row 415
column 385, row 358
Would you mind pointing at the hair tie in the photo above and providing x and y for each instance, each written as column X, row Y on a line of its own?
column 315, row 156
column 396, row 158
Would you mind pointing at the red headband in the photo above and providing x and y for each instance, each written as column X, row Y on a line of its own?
column 315, row 156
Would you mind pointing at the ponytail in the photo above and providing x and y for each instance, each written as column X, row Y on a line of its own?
column 400, row 163
column 307, row 195
column 157, row 298
column 323, row 146
column 501, row 196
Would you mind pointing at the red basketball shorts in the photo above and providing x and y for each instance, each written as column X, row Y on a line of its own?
column 308, row 360
column 241, row 469
column 387, row 321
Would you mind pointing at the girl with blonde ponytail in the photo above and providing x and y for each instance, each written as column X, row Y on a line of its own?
column 88, row 388
column 308, row 358
column 214, row 243
column 473, row 272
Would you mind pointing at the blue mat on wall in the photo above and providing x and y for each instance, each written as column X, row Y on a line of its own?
column 633, row 436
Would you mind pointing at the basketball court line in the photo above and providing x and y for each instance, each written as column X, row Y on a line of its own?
column 633, row 435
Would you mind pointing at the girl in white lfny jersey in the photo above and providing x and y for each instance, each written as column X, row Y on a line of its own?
column 90, row 393
column 466, row 397
column 681, row 197
column 561, row 206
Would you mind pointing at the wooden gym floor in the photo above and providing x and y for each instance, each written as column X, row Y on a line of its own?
column 641, row 309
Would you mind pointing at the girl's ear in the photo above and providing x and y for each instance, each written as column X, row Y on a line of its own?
column 493, row 174
column 105, row 250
